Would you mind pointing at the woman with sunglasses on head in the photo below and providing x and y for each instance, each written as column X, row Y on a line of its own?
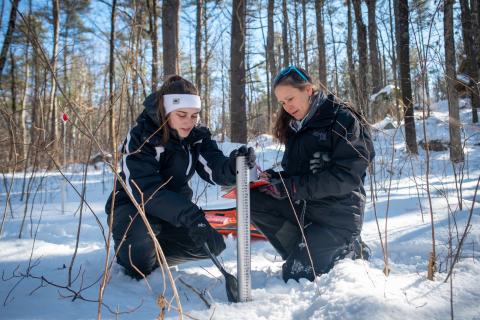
column 312, row 211
column 159, row 157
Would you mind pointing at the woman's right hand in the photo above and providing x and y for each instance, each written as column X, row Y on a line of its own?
column 243, row 151
column 200, row 231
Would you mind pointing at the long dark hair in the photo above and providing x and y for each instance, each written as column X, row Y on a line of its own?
column 293, row 79
column 173, row 84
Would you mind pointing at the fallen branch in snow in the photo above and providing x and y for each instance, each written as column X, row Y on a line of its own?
column 196, row 291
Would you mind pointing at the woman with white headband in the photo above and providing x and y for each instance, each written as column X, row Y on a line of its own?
column 159, row 156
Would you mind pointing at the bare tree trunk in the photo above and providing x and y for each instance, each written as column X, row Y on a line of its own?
column 205, row 68
column 476, row 26
column 111, row 80
column 305, row 49
column 271, row 60
column 394, row 57
column 335, row 73
column 297, row 34
column 198, row 49
column 53, row 101
column 170, row 12
column 372, row 41
column 322, row 60
column 405, row 82
column 12, row 156
column 224, row 94
column 285, row 43
column 353, row 93
column 22, row 120
column 470, row 44
column 152, row 21
column 456, row 152
column 8, row 36
column 1, row 13
column 65, row 56
column 362, row 58
column 238, row 120
column 137, row 22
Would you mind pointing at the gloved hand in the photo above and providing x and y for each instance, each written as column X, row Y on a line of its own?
column 319, row 161
column 277, row 190
column 200, row 232
column 271, row 174
column 249, row 155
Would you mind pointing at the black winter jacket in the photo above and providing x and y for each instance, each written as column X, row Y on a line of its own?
column 161, row 172
column 334, row 195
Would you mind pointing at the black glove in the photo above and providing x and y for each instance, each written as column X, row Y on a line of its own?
column 200, row 232
column 277, row 190
column 319, row 161
column 249, row 155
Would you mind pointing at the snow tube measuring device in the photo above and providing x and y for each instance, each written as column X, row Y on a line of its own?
column 243, row 231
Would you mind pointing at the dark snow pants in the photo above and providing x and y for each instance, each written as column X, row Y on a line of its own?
column 137, row 251
column 326, row 244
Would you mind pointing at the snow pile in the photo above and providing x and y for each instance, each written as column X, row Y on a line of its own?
column 351, row 290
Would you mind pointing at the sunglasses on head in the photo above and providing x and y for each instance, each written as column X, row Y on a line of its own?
column 285, row 72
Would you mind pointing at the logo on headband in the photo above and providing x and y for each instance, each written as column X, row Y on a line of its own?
column 176, row 101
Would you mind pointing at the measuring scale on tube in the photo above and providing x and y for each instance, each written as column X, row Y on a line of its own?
column 244, row 175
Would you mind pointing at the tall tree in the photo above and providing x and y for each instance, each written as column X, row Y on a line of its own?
column 469, row 16
column 170, row 12
column 270, row 53
column 322, row 60
column 456, row 151
column 205, row 68
column 73, row 27
column 330, row 11
column 285, row 42
column 422, row 22
column 403, row 42
column 13, row 90
column 53, row 61
column 297, row 33
column 362, row 58
column 198, row 46
column 111, row 80
column 372, row 44
column 153, row 31
column 8, row 36
column 353, row 92
column 393, row 38
column 304, row 20
column 238, row 118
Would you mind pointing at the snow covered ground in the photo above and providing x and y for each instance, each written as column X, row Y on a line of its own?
column 352, row 290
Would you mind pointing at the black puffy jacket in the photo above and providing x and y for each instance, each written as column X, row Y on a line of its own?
column 160, row 173
column 335, row 194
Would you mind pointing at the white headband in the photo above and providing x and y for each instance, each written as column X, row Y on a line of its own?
column 174, row 102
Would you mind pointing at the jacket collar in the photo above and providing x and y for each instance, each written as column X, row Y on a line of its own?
column 323, row 110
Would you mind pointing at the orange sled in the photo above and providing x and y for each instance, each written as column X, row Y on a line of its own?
column 225, row 222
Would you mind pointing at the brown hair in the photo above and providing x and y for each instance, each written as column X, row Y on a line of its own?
column 173, row 84
column 293, row 79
